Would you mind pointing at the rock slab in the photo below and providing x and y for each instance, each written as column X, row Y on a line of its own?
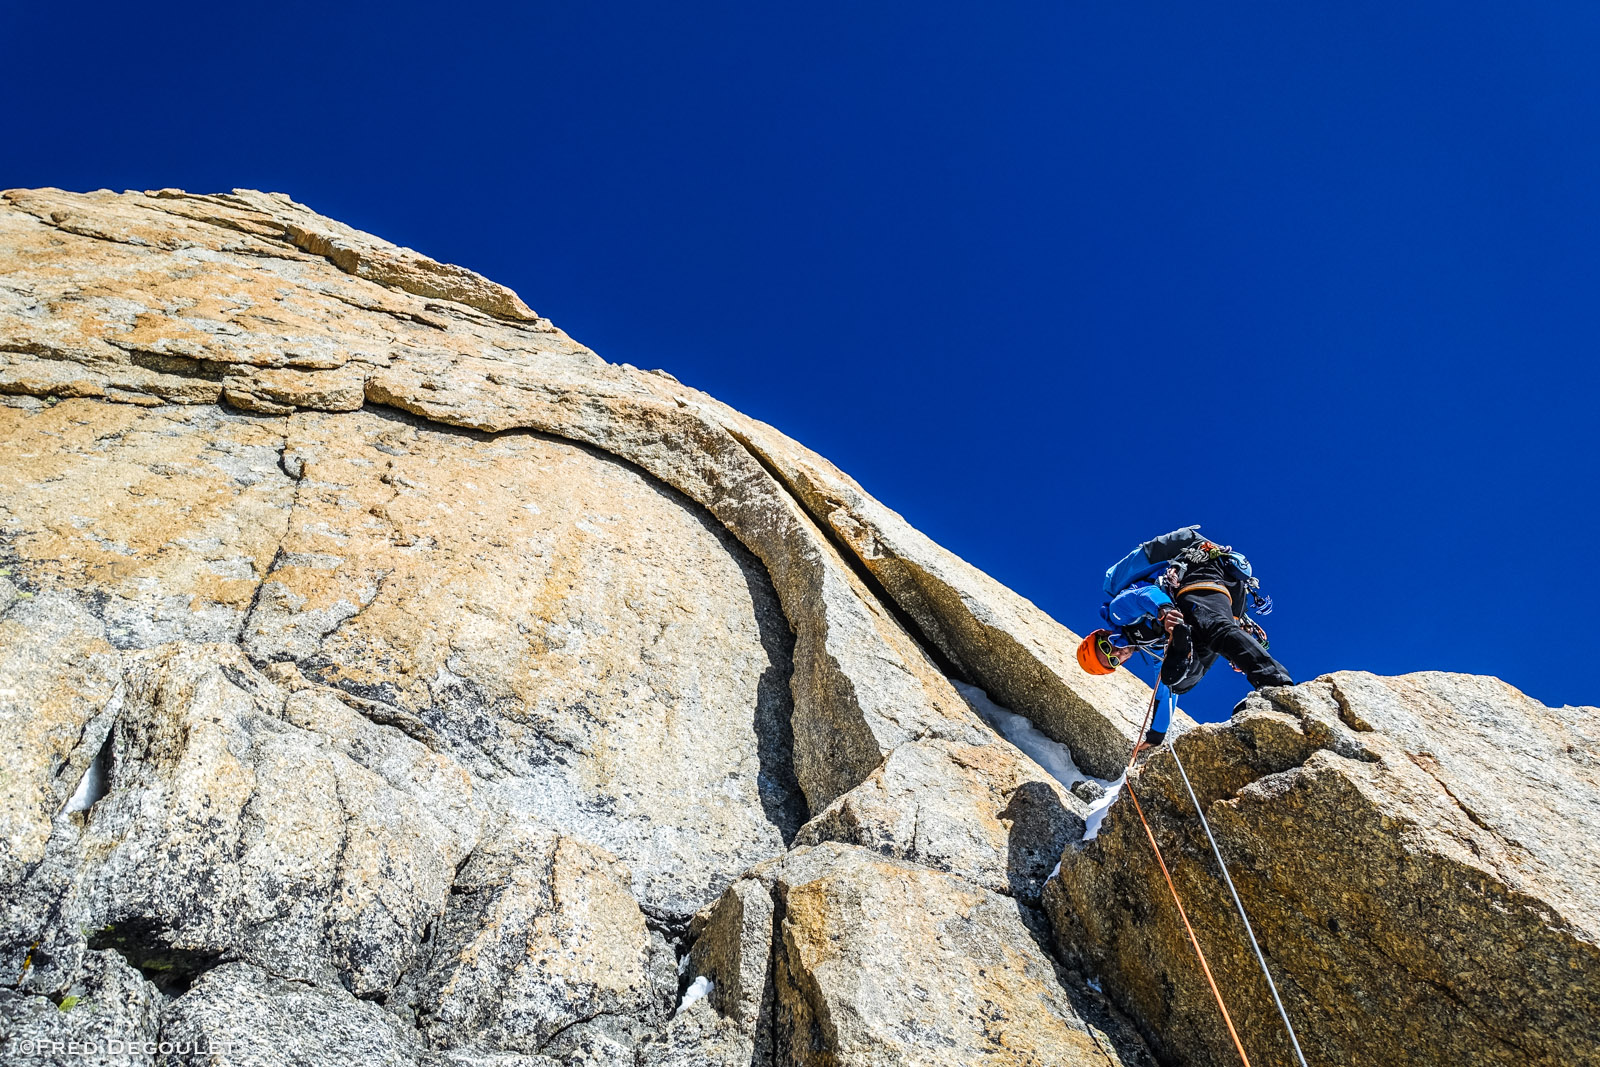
column 1412, row 853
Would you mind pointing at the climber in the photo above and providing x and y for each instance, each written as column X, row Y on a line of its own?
column 1186, row 595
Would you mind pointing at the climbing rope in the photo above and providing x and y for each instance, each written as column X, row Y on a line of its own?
column 1184, row 915
column 1149, row 714
column 1204, row 966
column 1260, row 957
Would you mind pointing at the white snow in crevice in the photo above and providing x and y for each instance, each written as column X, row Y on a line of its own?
column 1097, row 810
column 683, row 964
column 698, row 988
column 92, row 787
column 1053, row 756
column 1055, row 872
column 1094, row 984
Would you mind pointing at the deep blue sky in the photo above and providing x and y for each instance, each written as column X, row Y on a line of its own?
column 1047, row 278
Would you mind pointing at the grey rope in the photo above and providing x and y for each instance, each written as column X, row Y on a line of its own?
column 1237, row 903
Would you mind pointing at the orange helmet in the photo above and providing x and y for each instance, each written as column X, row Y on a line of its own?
column 1091, row 659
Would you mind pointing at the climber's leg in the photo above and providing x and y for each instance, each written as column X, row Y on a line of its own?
column 1217, row 631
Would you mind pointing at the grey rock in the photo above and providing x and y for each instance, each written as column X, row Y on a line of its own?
column 245, row 823
column 108, row 1016
column 1087, row 790
column 541, row 944
column 236, row 1014
column 699, row 1037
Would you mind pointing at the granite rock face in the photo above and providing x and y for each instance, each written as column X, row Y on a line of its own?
column 867, row 944
column 387, row 678
column 1414, row 854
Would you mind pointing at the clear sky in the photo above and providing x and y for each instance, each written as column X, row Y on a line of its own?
column 1047, row 278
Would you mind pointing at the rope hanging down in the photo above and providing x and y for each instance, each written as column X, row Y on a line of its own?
column 1173, row 889
column 1204, row 966
column 1260, row 957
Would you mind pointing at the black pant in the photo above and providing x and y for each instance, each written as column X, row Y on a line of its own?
column 1210, row 630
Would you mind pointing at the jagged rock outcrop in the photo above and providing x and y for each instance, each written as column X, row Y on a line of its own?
column 1415, row 855
column 371, row 652
column 386, row 677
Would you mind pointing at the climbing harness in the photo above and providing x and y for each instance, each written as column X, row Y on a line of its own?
column 1203, row 551
column 1184, row 915
column 1200, row 552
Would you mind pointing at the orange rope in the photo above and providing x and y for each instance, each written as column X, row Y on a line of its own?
column 1185, row 915
column 1149, row 715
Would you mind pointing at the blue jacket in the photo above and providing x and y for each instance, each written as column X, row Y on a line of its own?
column 1132, row 604
column 1127, row 607
column 1143, row 562
column 1133, row 597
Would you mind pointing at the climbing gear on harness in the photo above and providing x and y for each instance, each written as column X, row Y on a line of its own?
column 1196, row 554
column 1203, row 551
column 1094, row 658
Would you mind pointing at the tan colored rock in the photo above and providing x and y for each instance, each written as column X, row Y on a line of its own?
column 170, row 518
column 986, row 813
column 1413, row 854
column 734, row 950
column 1000, row 641
column 354, row 253
column 280, row 390
column 541, row 935
column 881, row 961
column 519, row 598
column 157, row 314
column 861, row 684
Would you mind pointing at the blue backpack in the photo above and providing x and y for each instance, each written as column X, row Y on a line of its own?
column 1164, row 560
